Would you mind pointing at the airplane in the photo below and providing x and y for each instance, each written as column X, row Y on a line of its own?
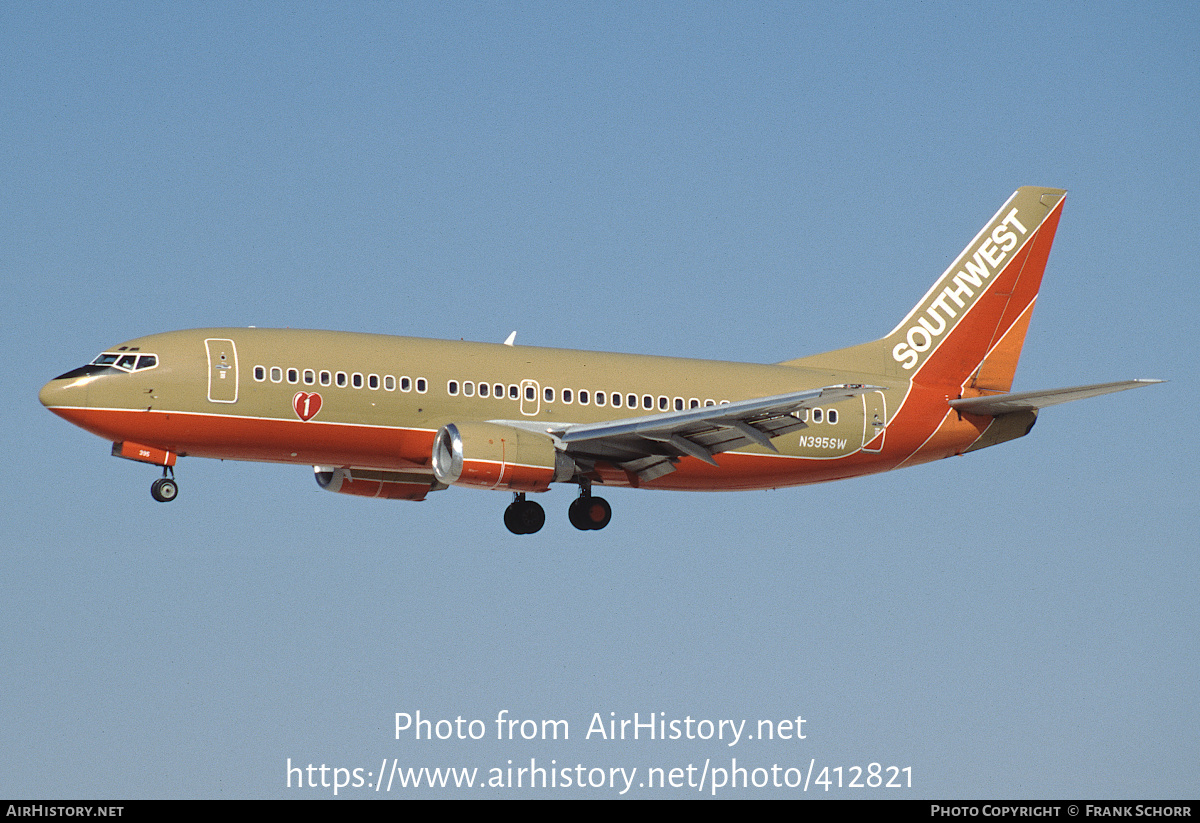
column 398, row 418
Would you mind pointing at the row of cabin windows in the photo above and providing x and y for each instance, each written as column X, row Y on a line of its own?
column 469, row 388
column 583, row 397
column 341, row 379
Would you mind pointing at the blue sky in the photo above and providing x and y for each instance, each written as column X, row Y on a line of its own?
column 734, row 181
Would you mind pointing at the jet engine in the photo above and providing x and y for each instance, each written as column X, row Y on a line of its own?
column 495, row 456
column 371, row 483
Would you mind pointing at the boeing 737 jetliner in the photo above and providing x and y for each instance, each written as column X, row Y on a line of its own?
column 397, row 417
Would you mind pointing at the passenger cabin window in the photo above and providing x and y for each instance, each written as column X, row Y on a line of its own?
column 832, row 416
column 372, row 381
column 276, row 374
column 341, row 380
column 389, row 383
column 452, row 388
column 310, row 377
column 422, row 386
column 260, row 374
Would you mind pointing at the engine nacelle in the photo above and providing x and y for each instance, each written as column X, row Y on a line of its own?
column 371, row 483
column 494, row 456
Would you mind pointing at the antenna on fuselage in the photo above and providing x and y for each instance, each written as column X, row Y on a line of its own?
column 508, row 341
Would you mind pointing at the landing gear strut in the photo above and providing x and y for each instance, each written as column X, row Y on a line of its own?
column 587, row 512
column 165, row 489
column 524, row 516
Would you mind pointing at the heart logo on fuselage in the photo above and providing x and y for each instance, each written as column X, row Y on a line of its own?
column 306, row 404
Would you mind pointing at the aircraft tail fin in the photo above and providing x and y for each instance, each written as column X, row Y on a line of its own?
column 969, row 327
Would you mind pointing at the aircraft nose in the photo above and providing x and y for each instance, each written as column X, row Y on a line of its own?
column 50, row 393
column 64, row 390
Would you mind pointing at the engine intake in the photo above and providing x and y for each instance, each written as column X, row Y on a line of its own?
column 495, row 456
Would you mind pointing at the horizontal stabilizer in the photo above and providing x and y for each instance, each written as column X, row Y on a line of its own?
column 1033, row 400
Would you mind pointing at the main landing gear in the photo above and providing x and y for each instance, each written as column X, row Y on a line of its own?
column 586, row 513
column 165, row 489
column 524, row 516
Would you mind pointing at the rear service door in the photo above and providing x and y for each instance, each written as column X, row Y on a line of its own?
column 874, row 418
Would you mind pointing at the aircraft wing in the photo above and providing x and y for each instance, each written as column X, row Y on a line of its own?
column 1034, row 400
column 649, row 446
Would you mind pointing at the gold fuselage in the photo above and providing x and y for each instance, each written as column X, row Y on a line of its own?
column 376, row 401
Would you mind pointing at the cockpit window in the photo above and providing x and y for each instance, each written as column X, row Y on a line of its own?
column 126, row 362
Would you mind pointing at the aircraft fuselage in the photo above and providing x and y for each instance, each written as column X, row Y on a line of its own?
column 276, row 398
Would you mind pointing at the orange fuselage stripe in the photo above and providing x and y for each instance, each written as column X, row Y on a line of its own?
column 233, row 437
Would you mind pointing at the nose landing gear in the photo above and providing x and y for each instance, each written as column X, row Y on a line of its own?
column 165, row 489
